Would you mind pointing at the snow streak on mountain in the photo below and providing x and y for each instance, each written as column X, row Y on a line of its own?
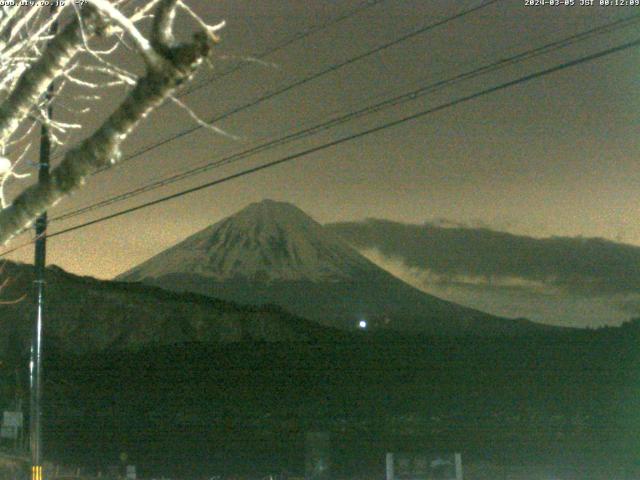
column 273, row 253
column 265, row 241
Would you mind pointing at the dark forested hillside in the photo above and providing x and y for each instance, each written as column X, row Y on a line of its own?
column 246, row 406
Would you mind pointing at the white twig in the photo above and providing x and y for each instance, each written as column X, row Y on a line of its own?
column 200, row 121
column 120, row 74
column 211, row 30
column 144, row 46
column 142, row 12
column 33, row 58
column 8, row 172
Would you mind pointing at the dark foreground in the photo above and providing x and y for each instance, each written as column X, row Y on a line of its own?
column 565, row 406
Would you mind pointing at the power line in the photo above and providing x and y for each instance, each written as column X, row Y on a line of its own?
column 295, row 38
column 304, row 81
column 410, row 96
column 275, row 48
column 304, row 153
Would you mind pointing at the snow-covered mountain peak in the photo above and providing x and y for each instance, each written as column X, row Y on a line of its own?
column 269, row 213
column 272, row 252
column 265, row 241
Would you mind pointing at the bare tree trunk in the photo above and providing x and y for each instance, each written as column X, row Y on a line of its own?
column 35, row 81
column 167, row 68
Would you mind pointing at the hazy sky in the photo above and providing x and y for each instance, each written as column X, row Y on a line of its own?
column 571, row 281
column 556, row 156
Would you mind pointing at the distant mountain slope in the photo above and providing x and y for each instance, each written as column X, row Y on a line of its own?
column 245, row 406
column 88, row 315
column 267, row 241
column 272, row 252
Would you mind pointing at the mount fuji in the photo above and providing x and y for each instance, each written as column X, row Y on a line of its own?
column 274, row 253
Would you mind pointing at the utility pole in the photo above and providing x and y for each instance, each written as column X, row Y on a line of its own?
column 35, row 364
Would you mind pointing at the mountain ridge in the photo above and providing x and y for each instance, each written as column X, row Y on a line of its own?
column 273, row 252
column 268, row 240
column 84, row 315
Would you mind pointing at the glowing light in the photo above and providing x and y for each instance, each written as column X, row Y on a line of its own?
column 362, row 324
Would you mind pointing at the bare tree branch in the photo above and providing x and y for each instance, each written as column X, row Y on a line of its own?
column 37, row 78
column 173, row 65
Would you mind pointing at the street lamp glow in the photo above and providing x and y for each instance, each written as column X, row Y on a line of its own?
column 362, row 324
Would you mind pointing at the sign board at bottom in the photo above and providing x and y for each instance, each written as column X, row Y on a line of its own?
column 424, row 466
column 12, row 419
column 11, row 423
column 131, row 472
column 9, row 432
